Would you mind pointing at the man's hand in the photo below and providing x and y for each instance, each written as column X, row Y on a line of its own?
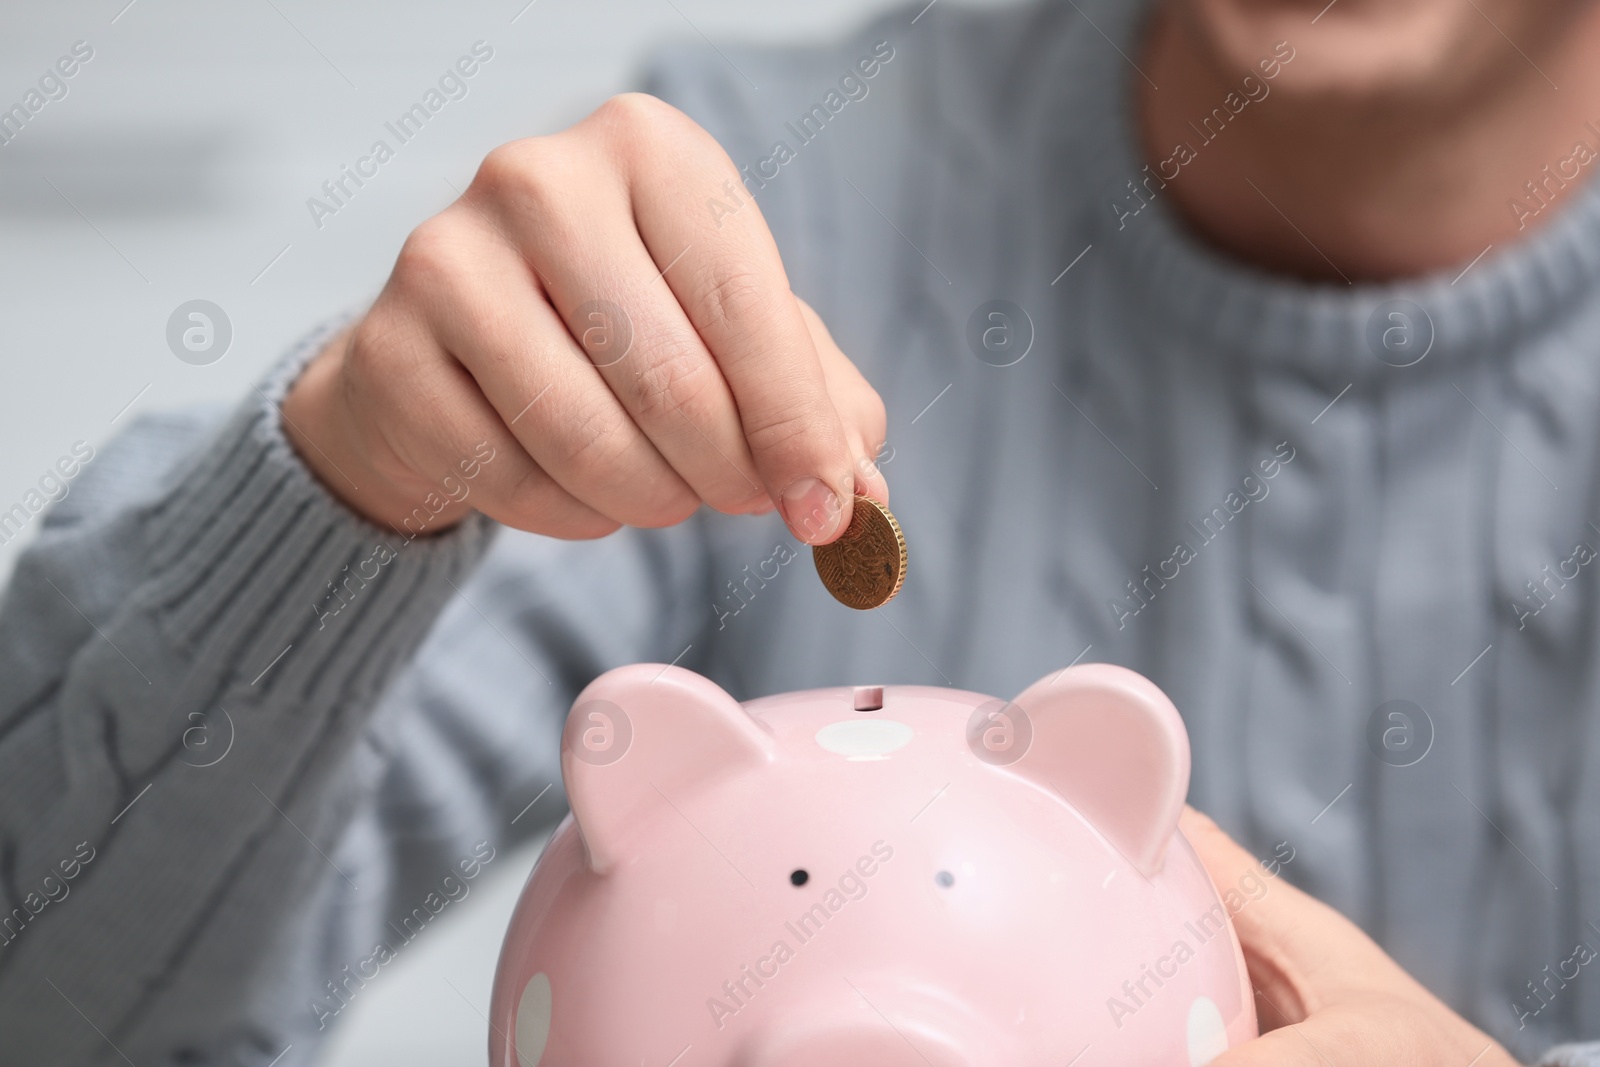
column 626, row 352
column 1327, row 996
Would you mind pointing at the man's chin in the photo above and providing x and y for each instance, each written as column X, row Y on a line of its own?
column 1382, row 50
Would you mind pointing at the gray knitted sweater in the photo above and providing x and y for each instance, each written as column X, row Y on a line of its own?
column 222, row 781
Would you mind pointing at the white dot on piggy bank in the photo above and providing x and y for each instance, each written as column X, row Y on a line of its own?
column 1208, row 1034
column 858, row 739
column 533, row 1021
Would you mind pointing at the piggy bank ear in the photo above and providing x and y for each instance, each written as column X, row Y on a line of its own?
column 642, row 734
column 1111, row 743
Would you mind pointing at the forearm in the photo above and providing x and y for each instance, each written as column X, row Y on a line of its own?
column 184, row 686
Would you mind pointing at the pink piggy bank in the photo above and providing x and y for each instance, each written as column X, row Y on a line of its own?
column 895, row 876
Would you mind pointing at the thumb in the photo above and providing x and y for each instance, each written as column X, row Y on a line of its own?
column 1326, row 994
column 1270, row 917
column 1295, row 947
column 1303, row 956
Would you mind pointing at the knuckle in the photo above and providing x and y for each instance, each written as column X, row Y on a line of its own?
column 535, row 174
column 496, row 168
column 505, row 168
column 789, row 433
column 677, row 377
column 633, row 114
column 736, row 301
column 591, row 444
column 599, row 456
column 428, row 257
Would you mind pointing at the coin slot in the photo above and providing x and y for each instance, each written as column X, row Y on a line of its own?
column 869, row 698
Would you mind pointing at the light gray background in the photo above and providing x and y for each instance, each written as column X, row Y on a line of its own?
column 178, row 166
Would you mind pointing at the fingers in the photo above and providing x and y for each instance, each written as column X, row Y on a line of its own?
column 731, row 284
column 1267, row 926
column 1372, row 1029
column 1229, row 864
column 485, row 307
column 612, row 298
column 1343, row 1036
column 1301, row 954
column 1327, row 994
column 1301, row 933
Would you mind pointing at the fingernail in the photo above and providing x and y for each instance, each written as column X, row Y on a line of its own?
column 811, row 509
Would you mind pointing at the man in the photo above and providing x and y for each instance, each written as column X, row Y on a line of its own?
column 1245, row 343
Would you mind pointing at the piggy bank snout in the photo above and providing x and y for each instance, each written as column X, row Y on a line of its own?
column 855, row 1045
column 877, row 1022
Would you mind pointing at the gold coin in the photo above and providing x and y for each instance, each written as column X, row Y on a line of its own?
column 866, row 566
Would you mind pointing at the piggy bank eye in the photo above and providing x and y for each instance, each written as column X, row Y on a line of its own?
column 799, row 877
column 944, row 879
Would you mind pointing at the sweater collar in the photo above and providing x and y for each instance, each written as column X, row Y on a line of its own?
column 1349, row 331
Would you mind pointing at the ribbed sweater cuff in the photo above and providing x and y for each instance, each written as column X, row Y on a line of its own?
column 251, row 554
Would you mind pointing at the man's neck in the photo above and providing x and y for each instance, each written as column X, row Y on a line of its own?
column 1368, row 190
